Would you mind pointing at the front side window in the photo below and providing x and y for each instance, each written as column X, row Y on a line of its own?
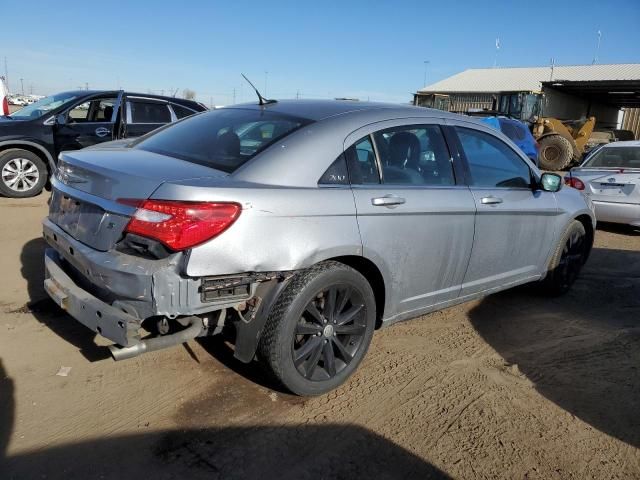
column 149, row 112
column 96, row 110
column 492, row 163
column 223, row 139
column 414, row 155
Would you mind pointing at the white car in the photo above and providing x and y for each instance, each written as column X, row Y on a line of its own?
column 18, row 101
column 4, row 98
column 610, row 177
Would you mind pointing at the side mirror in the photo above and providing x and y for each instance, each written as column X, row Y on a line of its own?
column 550, row 182
column 61, row 119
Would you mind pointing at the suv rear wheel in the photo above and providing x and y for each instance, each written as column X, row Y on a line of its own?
column 320, row 329
column 22, row 173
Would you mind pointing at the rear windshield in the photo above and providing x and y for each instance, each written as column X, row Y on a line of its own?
column 615, row 157
column 223, row 139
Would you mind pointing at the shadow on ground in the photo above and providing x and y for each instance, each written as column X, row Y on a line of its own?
column 582, row 350
column 46, row 311
column 323, row 451
column 7, row 409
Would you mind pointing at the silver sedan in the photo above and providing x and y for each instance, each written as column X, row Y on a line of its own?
column 299, row 227
column 611, row 178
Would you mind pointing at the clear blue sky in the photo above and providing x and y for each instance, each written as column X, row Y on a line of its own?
column 325, row 48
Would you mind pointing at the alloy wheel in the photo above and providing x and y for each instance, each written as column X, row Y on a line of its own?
column 20, row 174
column 572, row 258
column 329, row 333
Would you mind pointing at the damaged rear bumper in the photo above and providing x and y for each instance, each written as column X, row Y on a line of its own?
column 110, row 322
column 112, row 293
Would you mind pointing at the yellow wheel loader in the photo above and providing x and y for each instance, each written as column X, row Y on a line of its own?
column 561, row 143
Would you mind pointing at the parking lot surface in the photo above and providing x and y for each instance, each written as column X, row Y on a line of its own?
column 512, row 386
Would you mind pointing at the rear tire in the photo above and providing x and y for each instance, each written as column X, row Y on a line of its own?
column 556, row 152
column 567, row 261
column 22, row 173
column 319, row 329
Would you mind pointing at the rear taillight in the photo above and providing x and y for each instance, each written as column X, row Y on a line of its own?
column 181, row 225
column 5, row 106
column 574, row 182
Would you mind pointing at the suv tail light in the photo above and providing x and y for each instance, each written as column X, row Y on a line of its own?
column 5, row 105
column 574, row 182
column 181, row 225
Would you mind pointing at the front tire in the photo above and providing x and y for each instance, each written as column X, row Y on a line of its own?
column 567, row 261
column 22, row 173
column 556, row 152
column 319, row 329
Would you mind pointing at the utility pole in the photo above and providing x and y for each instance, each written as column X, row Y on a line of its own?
column 22, row 85
column 298, row 95
column 426, row 65
column 234, row 96
column 6, row 73
column 86, row 86
column 595, row 57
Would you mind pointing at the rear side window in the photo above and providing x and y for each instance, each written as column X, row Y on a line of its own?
column 180, row 111
column 149, row 112
column 492, row 163
column 223, row 139
column 361, row 160
column 336, row 174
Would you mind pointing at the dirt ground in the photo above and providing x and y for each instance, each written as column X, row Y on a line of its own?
column 512, row 386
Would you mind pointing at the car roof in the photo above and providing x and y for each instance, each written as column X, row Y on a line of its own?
column 317, row 110
column 627, row 143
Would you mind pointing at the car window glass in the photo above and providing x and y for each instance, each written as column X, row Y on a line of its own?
column 149, row 112
column 415, row 155
column 336, row 174
column 79, row 113
column 180, row 111
column 95, row 110
column 492, row 163
column 102, row 110
column 615, row 157
column 223, row 139
column 362, row 163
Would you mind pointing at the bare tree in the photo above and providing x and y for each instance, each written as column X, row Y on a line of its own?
column 188, row 94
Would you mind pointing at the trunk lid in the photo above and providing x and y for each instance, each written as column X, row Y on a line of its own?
column 89, row 183
column 610, row 185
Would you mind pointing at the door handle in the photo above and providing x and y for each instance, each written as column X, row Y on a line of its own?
column 490, row 200
column 387, row 201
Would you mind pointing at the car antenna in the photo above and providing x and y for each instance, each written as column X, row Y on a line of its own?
column 261, row 99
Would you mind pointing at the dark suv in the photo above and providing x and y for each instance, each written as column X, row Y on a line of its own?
column 32, row 138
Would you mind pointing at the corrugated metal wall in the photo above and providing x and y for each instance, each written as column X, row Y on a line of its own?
column 462, row 102
column 631, row 121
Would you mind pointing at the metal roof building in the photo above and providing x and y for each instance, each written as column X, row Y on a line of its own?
column 490, row 80
column 570, row 91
